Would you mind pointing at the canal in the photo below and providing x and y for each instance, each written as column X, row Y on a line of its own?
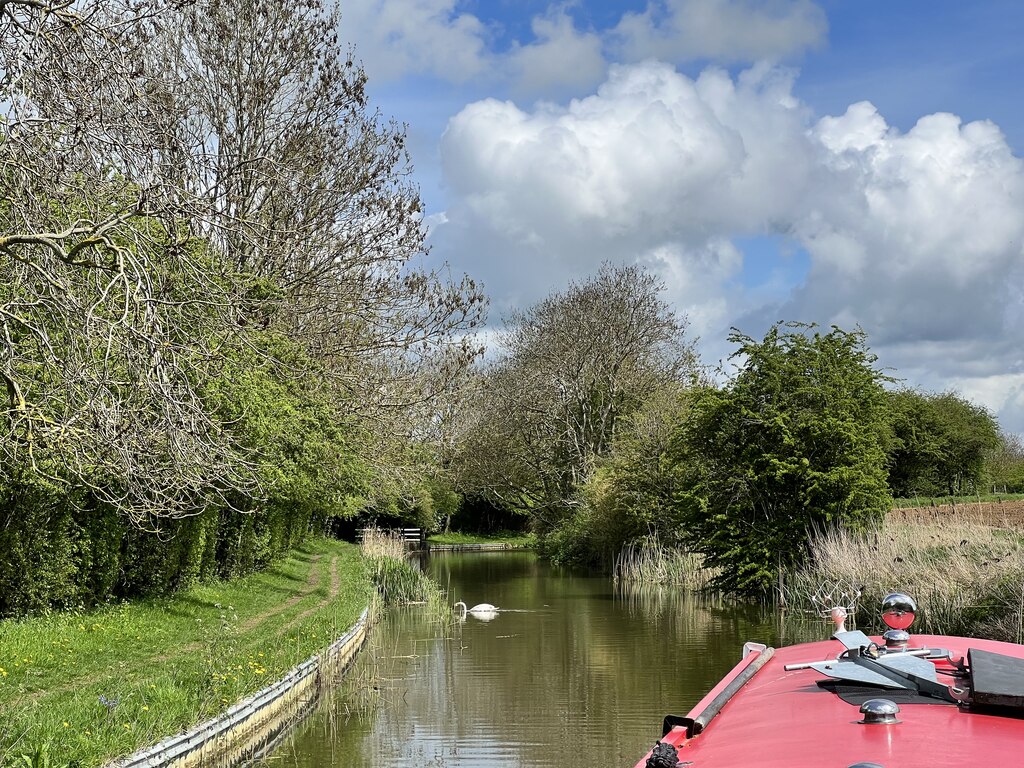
column 571, row 672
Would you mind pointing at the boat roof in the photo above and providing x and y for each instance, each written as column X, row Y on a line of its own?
column 785, row 719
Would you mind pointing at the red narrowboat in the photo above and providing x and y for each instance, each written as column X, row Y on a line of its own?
column 854, row 701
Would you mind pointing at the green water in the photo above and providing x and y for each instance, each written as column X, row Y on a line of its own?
column 570, row 673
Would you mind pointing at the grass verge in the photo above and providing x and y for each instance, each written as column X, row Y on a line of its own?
column 504, row 537
column 88, row 687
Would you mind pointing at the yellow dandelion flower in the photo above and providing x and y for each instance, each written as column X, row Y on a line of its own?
column 67, row 724
column 145, row 708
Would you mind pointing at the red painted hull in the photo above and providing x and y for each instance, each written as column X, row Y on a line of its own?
column 782, row 719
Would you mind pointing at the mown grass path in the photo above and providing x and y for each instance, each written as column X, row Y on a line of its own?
column 93, row 686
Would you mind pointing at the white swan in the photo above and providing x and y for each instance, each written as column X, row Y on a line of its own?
column 482, row 611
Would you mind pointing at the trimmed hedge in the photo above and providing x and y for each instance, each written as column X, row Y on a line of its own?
column 61, row 551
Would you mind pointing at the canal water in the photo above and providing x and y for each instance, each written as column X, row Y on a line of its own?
column 571, row 672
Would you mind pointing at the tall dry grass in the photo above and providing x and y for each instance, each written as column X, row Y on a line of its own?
column 967, row 577
column 649, row 562
column 398, row 581
column 377, row 542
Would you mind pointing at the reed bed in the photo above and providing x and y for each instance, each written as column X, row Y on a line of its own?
column 651, row 562
column 377, row 542
column 397, row 579
column 967, row 577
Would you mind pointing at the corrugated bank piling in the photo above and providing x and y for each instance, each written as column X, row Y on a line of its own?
column 253, row 726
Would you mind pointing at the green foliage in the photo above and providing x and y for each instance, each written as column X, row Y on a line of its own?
column 398, row 581
column 631, row 495
column 1005, row 465
column 794, row 441
column 40, row 758
column 278, row 407
column 575, row 541
column 940, row 444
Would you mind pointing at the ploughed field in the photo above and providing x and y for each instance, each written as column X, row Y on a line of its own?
column 1006, row 513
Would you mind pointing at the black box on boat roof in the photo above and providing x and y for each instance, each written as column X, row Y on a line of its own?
column 996, row 680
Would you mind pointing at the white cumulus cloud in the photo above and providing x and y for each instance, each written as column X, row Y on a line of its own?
column 394, row 38
column 561, row 59
column 915, row 236
column 652, row 155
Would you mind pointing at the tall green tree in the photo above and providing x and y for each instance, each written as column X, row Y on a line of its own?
column 794, row 441
column 940, row 444
column 631, row 495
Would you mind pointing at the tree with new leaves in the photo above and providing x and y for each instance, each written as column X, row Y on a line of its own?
column 941, row 443
column 214, row 321
column 1005, row 464
column 177, row 176
column 572, row 368
column 307, row 188
column 794, row 441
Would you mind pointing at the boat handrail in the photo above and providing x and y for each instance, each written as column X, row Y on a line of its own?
column 695, row 725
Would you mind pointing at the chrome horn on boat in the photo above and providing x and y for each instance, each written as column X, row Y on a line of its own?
column 898, row 610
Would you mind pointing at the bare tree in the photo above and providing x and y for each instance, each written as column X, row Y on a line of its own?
column 310, row 188
column 108, row 311
column 572, row 367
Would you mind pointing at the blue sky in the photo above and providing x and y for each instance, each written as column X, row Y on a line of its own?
column 814, row 160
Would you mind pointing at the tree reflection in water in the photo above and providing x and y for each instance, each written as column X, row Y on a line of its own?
column 577, row 672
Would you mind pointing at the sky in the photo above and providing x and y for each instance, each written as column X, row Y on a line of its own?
column 827, row 161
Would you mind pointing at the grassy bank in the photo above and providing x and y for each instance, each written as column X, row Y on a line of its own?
column 93, row 686
column 507, row 538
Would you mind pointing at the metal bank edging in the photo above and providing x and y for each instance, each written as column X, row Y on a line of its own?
column 179, row 746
